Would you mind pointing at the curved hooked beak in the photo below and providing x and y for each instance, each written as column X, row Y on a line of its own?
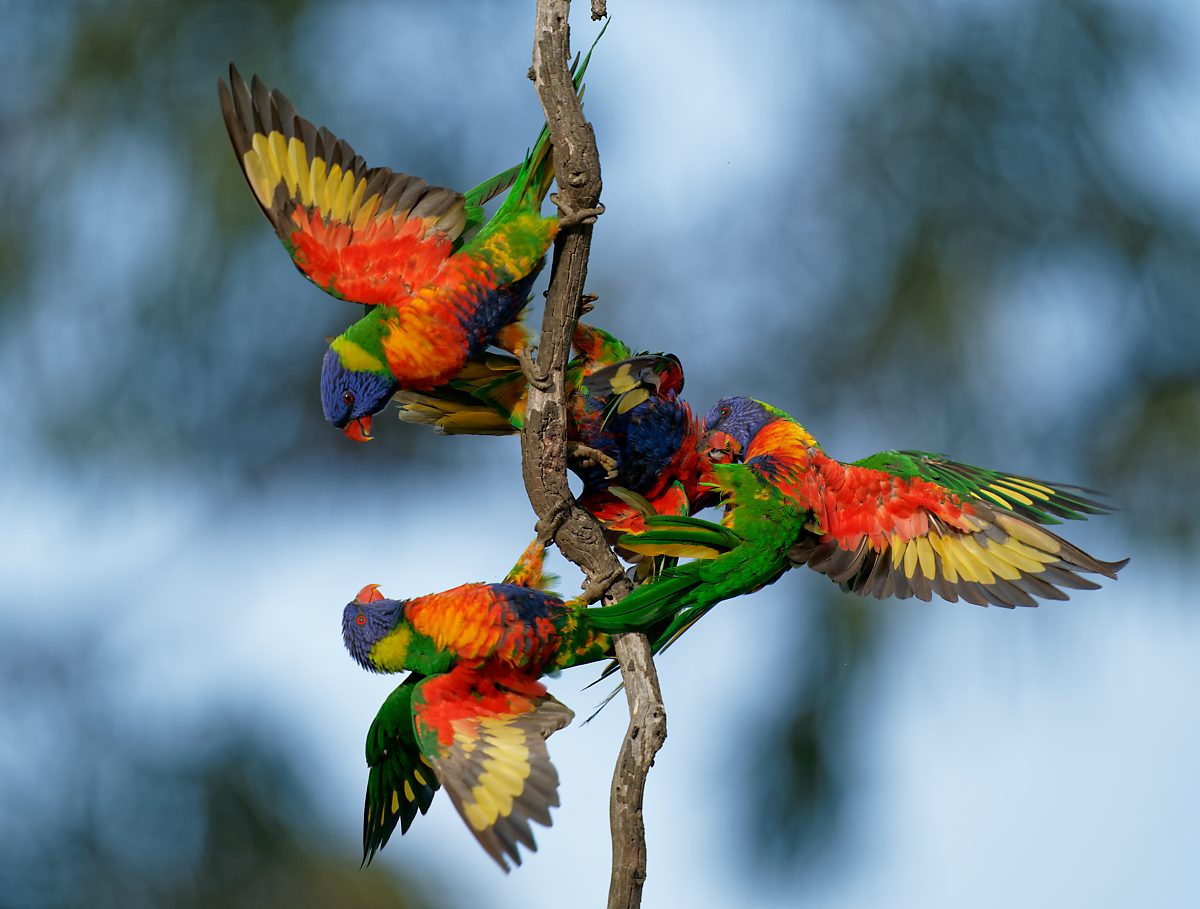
column 359, row 430
column 720, row 447
column 368, row 594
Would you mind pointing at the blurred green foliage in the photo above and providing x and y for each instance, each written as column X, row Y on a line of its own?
column 115, row 807
column 1001, row 269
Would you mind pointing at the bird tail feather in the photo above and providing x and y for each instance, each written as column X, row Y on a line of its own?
column 649, row 605
column 487, row 398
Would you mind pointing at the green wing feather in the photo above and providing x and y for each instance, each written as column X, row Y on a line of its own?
column 649, row 604
column 504, row 391
column 599, row 346
column 634, row 500
column 732, row 560
column 683, row 537
column 400, row 782
column 1042, row 502
column 488, row 396
column 476, row 198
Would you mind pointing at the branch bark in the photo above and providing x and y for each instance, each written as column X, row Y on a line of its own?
column 544, row 445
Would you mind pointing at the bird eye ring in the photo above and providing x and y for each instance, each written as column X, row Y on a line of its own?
column 348, row 398
column 725, row 411
column 362, row 619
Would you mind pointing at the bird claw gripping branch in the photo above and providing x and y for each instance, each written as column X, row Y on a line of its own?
column 570, row 217
column 627, row 425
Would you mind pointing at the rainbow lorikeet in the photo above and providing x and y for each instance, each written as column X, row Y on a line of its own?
column 472, row 715
column 440, row 284
column 628, row 429
column 899, row 523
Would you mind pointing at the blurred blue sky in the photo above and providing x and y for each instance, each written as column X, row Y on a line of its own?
column 1042, row 757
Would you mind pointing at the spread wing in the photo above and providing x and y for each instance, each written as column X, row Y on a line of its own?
column 630, row 422
column 1038, row 501
column 884, row 534
column 400, row 781
column 484, row 732
column 364, row 234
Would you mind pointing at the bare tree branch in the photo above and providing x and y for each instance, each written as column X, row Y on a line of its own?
column 544, row 446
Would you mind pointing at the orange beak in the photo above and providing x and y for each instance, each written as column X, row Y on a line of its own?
column 368, row 594
column 720, row 447
column 359, row 430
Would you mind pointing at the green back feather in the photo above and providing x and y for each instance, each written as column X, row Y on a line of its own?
column 752, row 549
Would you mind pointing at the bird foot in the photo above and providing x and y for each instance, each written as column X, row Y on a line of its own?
column 598, row 587
column 569, row 217
column 587, row 456
column 536, row 376
column 586, row 302
column 547, row 527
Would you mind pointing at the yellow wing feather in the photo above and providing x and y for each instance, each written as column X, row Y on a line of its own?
column 999, row 557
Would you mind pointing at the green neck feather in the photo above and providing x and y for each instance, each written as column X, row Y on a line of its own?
column 360, row 347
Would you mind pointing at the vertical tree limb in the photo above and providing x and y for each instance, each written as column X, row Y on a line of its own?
column 543, row 442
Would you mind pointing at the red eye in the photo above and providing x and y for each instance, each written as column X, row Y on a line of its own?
column 348, row 399
column 725, row 411
column 362, row 619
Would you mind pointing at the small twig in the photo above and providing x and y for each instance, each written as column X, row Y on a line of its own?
column 543, row 443
column 551, row 522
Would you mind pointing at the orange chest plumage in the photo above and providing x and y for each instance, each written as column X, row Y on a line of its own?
column 478, row 622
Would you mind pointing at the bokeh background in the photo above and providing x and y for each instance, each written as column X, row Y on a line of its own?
column 967, row 226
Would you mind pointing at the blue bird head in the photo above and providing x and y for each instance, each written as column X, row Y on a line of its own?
column 366, row 620
column 739, row 418
column 350, row 397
